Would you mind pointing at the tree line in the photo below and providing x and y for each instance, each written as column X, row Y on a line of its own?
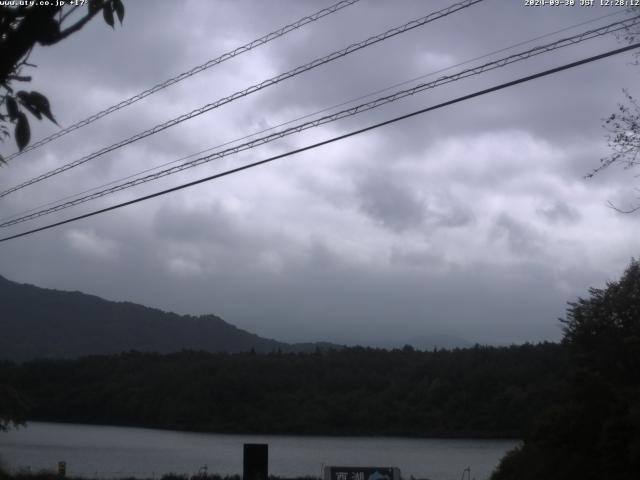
column 474, row 392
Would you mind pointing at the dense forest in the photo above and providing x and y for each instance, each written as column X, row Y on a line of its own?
column 474, row 392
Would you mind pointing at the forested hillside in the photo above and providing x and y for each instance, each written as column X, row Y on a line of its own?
column 475, row 392
column 42, row 323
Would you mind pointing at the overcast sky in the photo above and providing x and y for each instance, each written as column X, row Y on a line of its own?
column 474, row 220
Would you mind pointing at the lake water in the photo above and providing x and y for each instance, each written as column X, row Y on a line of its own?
column 110, row 452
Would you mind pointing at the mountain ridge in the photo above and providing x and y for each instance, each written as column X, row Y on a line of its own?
column 40, row 322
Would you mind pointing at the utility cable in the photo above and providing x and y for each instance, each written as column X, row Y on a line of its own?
column 463, row 98
column 332, row 117
column 182, row 76
column 308, row 115
column 254, row 88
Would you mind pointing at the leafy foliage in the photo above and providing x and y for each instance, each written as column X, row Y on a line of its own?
column 604, row 329
column 22, row 27
column 594, row 432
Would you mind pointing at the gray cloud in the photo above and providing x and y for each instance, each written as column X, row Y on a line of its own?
column 520, row 239
column 559, row 212
column 391, row 204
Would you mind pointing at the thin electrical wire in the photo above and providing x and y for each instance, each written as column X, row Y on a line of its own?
column 254, row 88
column 573, row 40
column 326, row 109
column 331, row 140
column 189, row 73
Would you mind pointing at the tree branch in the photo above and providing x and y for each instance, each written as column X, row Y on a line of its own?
column 619, row 210
column 79, row 24
column 19, row 78
column 23, row 38
column 69, row 12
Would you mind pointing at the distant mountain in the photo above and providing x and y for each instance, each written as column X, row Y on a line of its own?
column 43, row 323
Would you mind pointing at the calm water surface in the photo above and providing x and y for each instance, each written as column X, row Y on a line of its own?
column 102, row 451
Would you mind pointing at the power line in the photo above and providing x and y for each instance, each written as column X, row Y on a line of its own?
column 254, row 88
column 317, row 112
column 334, row 117
column 182, row 76
column 331, row 140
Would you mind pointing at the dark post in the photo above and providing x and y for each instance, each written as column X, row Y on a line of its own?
column 256, row 461
column 62, row 469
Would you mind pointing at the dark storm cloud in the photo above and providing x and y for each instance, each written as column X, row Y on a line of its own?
column 520, row 239
column 473, row 220
column 391, row 203
column 398, row 205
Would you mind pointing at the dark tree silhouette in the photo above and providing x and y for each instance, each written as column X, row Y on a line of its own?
column 594, row 433
column 22, row 27
column 604, row 329
column 13, row 408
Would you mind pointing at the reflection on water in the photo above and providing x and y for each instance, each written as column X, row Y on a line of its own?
column 102, row 451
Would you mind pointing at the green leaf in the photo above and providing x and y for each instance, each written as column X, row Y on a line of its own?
column 107, row 13
column 41, row 103
column 118, row 7
column 22, row 133
column 12, row 107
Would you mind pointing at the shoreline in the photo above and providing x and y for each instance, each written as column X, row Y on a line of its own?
column 432, row 436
